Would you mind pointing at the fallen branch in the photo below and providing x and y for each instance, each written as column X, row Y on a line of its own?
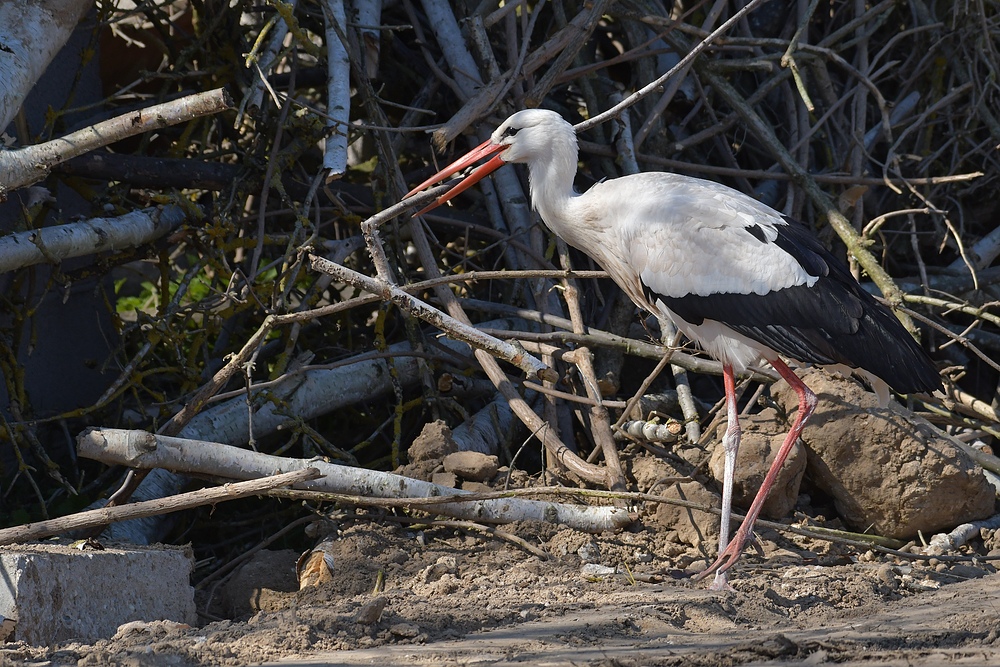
column 944, row 542
column 140, row 449
column 862, row 540
column 183, row 501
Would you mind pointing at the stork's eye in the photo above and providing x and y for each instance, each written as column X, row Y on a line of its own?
column 510, row 131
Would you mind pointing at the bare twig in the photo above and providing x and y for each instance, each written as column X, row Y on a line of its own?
column 77, row 239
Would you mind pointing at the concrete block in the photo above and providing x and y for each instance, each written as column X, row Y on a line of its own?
column 55, row 592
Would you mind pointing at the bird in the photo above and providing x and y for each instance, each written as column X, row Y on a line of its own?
column 737, row 277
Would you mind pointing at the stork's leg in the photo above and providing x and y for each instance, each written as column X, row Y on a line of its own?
column 807, row 403
column 731, row 446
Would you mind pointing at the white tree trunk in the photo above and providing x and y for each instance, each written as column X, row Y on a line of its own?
column 31, row 34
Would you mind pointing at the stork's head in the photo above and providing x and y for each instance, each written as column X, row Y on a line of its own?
column 532, row 136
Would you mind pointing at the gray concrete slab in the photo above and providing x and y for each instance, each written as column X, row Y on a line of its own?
column 55, row 592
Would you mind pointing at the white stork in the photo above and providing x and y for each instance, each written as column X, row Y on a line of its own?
column 736, row 276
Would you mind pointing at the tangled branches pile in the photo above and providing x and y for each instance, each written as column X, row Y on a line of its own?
column 873, row 123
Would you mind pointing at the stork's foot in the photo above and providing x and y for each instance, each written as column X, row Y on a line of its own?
column 722, row 564
column 727, row 559
column 720, row 583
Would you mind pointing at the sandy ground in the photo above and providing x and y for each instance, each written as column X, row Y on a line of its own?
column 450, row 597
column 380, row 592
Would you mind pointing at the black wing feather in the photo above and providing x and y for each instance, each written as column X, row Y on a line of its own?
column 834, row 321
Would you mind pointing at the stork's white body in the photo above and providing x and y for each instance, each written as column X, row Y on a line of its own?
column 677, row 236
column 733, row 274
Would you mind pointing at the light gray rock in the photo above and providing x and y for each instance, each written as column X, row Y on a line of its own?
column 472, row 466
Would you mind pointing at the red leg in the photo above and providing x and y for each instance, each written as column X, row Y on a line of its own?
column 807, row 403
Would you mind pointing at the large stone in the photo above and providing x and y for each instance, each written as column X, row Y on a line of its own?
column 55, row 593
column 887, row 470
column 763, row 435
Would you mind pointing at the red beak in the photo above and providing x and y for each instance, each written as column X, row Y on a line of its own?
column 485, row 149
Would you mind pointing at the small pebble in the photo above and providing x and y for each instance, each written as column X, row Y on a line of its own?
column 371, row 611
column 596, row 570
column 886, row 574
column 589, row 552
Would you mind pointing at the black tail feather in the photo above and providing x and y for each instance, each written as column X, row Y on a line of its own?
column 832, row 321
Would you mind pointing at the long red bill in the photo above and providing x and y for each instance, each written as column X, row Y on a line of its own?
column 485, row 149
